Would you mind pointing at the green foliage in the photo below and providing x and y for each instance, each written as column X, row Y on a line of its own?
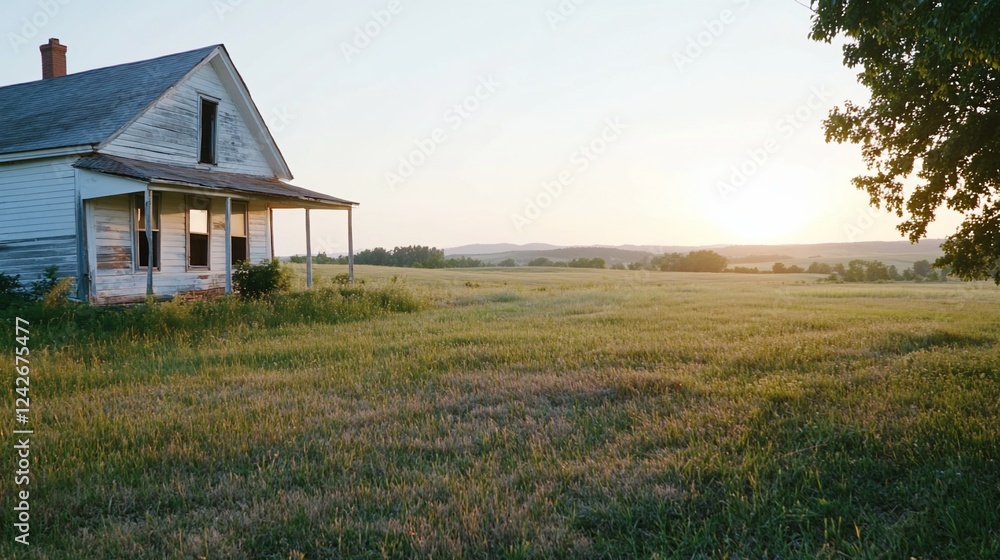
column 618, row 266
column 540, row 261
column 11, row 290
column 860, row 270
column 342, row 279
column 933, row 70
column 45, row 284
column 254, row 281
column 58, row 295
column 507, row 263
column 49, row 289
column 63, row 322
column 819, row 268
column 745, row 270
column 411, row 256
column 463, row 262
column 695, row 261
column 596, row 262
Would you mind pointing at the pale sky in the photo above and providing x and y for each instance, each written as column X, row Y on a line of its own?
column 667, row 122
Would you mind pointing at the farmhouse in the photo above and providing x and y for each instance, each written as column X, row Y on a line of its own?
column 148, row 178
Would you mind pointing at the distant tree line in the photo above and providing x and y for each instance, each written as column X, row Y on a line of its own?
column 860, row 270
column 411, row 256
column 595, row 262
column 695, row 261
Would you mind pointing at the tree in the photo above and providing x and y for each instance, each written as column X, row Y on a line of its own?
column 778, row 268
column 819, row 268
column 703, row 261
column 668, row 262
column 582, row 262
column 507, row 263
column 933, row 70
column 922, row 268
column 540, row 261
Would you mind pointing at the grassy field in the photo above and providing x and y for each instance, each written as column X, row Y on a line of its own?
column 513, row 413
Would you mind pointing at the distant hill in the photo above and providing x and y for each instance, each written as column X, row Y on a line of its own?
column 487, row 249
column 829, row 250
column 890, row 252
column 611, row 255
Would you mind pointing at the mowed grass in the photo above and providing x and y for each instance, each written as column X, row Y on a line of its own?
column 544, row 413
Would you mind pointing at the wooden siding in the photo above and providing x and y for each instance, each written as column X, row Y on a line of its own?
column 168, row 131
column 38, row 218
column 30, row 258
column 37, row 199
column 258, row 230
column 116, row 279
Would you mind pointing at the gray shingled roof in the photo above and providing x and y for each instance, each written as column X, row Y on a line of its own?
column 186, row 176
column 87, row 107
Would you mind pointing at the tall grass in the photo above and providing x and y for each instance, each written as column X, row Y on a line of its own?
column 583, row 414
column 83, row 325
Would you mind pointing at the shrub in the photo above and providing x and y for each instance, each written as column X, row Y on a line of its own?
column 341, row 279
column 58, row 295
column 41, row 287
column 256, row 281
column 11, row 291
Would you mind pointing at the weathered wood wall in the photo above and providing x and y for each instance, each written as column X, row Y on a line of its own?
column 38, row 218
column 168, row 132
column 113, row 247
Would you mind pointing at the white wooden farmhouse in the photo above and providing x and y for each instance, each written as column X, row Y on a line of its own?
column 147, row 178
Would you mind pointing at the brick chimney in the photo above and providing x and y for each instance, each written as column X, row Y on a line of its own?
column 53, row 59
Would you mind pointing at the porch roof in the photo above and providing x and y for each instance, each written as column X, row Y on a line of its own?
column 268, row 187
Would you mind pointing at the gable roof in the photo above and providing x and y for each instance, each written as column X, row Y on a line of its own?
column 186, row 176
column 91, row 108
column 87, row 107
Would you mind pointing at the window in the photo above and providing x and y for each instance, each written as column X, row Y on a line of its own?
column 141, row 241
column 207, row 131
column 198, row 233
column 238, row 229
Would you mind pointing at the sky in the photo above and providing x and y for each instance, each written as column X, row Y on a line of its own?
column 572, row 122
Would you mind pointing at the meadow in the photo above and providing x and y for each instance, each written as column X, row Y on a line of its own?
column 522, row 413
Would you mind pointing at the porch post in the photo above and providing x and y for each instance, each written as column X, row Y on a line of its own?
column 148, row 203
column 350, row 244
column 309, row 255
column 229, row 245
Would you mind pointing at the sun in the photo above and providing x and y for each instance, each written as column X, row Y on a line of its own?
column 774, row 208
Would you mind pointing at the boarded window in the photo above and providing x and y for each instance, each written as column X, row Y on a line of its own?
column 142, row 245
column 198, row 233
column 208, row 128
column 238, row 227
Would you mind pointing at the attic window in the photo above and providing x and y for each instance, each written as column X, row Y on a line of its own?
column 207, row 131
